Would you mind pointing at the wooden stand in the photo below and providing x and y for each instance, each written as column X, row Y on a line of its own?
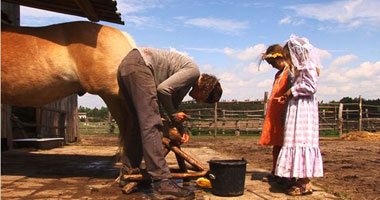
column 181, row 157
column 171, row 142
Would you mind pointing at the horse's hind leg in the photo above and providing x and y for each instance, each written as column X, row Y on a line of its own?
column 130, row 140
column 120, row 112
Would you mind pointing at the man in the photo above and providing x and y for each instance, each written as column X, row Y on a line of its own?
column 147, row 76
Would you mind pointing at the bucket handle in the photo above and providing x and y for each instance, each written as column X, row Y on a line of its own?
column 212, row 176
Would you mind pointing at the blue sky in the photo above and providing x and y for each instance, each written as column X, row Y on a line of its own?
column 226, row 37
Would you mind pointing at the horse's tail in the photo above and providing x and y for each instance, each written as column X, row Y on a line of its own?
column 130, row 39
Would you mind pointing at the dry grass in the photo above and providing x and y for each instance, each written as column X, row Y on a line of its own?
column 361, row 136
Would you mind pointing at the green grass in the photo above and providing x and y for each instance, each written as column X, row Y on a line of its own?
column 94, row 128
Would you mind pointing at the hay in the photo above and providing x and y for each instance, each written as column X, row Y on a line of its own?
column 361, row 136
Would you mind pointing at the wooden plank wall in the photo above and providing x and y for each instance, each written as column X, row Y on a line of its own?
column 12, row 12
column 69, row 105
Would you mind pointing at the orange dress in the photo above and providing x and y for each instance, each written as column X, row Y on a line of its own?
column 273, row 129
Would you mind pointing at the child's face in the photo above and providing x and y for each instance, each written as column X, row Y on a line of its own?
column 280, row 65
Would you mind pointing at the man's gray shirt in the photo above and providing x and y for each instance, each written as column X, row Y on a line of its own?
column 174, row 75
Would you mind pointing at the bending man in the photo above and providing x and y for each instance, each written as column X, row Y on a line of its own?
column 147, row 76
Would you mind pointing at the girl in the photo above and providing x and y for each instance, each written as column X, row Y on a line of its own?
column 300, row 156
column 273, row 129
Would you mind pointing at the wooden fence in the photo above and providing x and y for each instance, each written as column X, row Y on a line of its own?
column 339, row 117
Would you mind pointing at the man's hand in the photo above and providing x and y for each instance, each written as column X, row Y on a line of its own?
column 181, row 116
column 185, row 137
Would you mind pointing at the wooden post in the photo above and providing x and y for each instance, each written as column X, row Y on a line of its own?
column 61, row 126
column 39, row 114
column 209, row 128
column 237, row 131
column 265, row 103
column 360, row 113
column 9, row 127
column 215, row 119
column 367, row 118
column 340, row 118
column 199, row 122
column 246, row 126
column 224, row 122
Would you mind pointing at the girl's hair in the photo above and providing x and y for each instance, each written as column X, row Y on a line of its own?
column 273, row 50
column 286, row 54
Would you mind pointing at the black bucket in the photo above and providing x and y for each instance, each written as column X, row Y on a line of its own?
column 227, row 177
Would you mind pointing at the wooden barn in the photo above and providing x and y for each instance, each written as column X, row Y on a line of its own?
column 56, row 123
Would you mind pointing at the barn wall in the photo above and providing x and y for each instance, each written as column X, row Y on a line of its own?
column 12, row 12
column 69, row 105
column 12, row 16
column 45, row 118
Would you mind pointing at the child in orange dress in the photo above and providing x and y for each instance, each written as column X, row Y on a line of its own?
column 273, row 129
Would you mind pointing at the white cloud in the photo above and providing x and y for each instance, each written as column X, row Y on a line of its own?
column 253, row 68
column 323, row 54
column 135, row 6
column 327, row 90
column 91, row 101
column 206, row 68
column 38, row 17
column 337, row 82
column 334, row 77
column 343, row 60
column 285, row 20
column 349, row 13
column 365, row 71
column 289, row 20
column 205, row 49
column 184, row 53
column 265, row 83
column 227, row 26
column 138, row 21
column 250, row 53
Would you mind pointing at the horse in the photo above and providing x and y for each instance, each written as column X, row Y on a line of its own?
column 42, row 64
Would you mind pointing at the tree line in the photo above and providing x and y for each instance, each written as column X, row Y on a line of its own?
column 95, row 114
column 101, row 114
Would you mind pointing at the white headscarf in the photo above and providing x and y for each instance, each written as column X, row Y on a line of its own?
column 302, row 53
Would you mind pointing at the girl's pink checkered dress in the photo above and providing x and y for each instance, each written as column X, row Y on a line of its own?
column 300, row 156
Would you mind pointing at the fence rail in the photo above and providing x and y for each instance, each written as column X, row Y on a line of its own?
column 337, row 117
column 332, row 117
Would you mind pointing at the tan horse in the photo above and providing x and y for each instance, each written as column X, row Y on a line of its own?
column 43, row 64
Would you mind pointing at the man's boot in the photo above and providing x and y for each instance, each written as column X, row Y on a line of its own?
column 168, row 189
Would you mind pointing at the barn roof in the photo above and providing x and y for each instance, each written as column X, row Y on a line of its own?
column 94, row 10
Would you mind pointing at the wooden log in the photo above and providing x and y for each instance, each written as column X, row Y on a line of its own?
column 215, row 119
column 182, row 154
column 138, row 177
column 340, row 117
column 165, row 151
column 360, row 113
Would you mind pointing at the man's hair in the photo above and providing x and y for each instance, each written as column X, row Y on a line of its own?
column 210, row 87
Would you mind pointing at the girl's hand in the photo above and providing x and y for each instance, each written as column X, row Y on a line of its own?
column 285, row 98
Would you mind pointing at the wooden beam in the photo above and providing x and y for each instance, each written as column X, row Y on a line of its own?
column 88, row 9
column 138, row 177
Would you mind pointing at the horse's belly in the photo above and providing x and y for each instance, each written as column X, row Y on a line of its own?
column 32, row 83
column 36, row 94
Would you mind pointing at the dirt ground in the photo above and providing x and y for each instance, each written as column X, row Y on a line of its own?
column 351, row 167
